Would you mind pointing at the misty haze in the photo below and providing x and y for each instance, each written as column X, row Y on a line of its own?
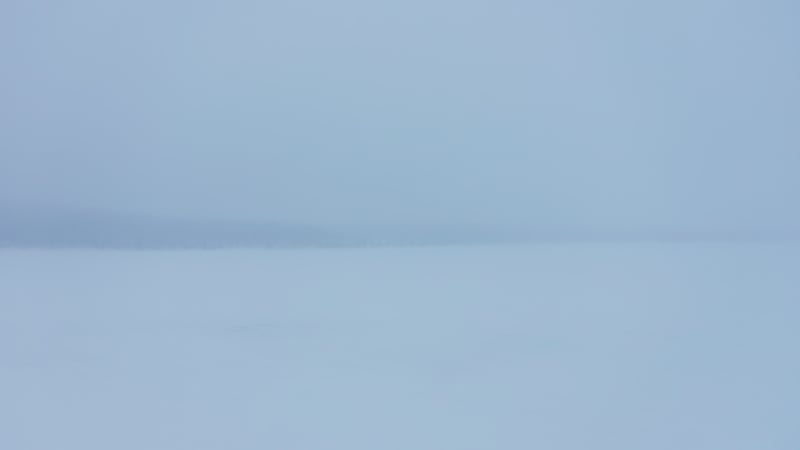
column 325, row 225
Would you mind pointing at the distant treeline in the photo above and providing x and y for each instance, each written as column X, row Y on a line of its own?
column 64, row 228
column 71, row 228
column 112, row 231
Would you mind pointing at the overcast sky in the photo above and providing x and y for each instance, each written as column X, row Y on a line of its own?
column 502, row 112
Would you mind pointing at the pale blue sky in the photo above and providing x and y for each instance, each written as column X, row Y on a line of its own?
column 582, row 112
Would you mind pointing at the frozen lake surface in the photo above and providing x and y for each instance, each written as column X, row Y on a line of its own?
column 540, row 347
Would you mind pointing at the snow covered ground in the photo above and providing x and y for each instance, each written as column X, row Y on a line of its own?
column 540, row 347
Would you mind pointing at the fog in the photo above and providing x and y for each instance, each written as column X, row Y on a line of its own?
column 505, row 224
column 505, row 113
